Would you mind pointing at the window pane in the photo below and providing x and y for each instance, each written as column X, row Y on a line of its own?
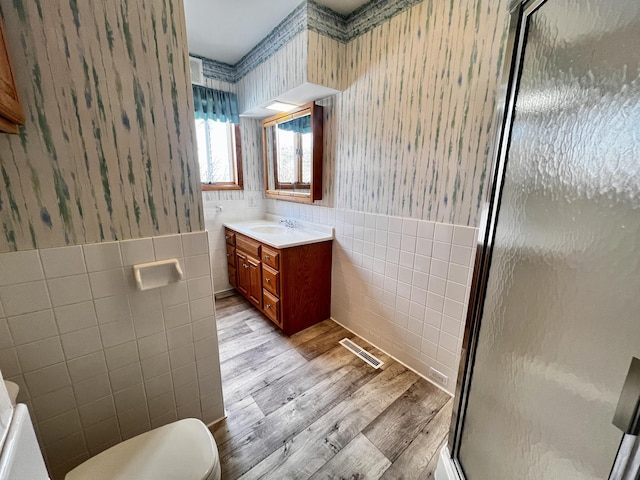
column 306, row 157
column 203, row 156
column 215, row 151
column 286, row 156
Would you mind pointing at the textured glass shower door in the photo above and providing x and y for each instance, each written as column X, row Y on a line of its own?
column 559, row 320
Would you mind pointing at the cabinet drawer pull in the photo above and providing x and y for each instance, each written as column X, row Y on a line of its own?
column 267, row 257
column 227, row 237
column 268, row 305
column 245, row 265
column 268, row 280
column 228, row 254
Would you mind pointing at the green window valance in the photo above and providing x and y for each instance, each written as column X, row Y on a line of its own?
column 216, row 105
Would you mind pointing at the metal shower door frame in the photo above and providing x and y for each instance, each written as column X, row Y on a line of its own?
column 519, row 12
column 627, row 462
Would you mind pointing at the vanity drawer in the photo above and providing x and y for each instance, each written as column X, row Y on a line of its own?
column 271, row 307
column 271, row 258
column 230, row 236
column 232, row 275
column 248, row 246
column 231, row 255
column 270, row 280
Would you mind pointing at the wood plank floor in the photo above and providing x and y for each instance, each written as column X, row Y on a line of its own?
column 305, row 407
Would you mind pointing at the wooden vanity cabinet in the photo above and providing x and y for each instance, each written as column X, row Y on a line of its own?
column 230, row 237
column 248, row 268
column 248, row 283
column 290, row 286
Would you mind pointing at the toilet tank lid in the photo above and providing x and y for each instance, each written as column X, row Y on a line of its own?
column 180, row 450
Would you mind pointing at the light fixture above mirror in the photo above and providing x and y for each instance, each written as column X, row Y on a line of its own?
column 281, row 106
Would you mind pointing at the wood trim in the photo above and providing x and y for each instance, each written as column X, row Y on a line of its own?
column 220, row 186
column 10, row 107
column 317, row 125
column 6, row 126
column 293, row 186
column 237, row 160
column 265, row 160
column 274, row 144
column 315, row 189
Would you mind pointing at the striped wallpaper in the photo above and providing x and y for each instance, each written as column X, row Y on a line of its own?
column 411, row 133
column 324, row 61
column 107, row 152
column 415, row 121
column 283, row 71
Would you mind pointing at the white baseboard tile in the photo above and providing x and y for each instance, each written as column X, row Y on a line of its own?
column 396, row 359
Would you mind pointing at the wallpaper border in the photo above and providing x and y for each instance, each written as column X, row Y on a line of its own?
column 312, row 16
column 286, row 30
column 372, row 14
column 217, row 70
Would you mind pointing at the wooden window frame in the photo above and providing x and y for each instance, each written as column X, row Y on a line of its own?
column 237, row 162
column 299, row 184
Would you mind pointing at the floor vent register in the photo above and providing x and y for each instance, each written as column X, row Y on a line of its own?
column 361, row 352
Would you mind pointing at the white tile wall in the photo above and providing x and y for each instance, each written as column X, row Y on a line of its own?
column 402, row 284
column 232, row 210
column 99, row 361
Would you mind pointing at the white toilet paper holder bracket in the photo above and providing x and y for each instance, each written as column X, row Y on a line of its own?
column 157, row 274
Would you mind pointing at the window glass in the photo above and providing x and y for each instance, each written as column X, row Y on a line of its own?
column 217, row 154
column 307, row 140
column 286, row 156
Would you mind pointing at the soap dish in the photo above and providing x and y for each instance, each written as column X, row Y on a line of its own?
column 157, row 274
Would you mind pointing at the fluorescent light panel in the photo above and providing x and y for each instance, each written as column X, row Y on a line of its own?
column 280, row 106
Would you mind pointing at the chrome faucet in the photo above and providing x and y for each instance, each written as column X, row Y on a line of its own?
column 289, row 223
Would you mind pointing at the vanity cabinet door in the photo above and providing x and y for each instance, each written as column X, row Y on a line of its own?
column 243, row 276
column 255, row 281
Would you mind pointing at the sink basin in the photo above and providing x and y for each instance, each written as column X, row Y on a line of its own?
column 272, row 229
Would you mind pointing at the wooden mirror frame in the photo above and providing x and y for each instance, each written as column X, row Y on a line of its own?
column 315, row 189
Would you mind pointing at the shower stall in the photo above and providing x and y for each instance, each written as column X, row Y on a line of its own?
column 554, row 318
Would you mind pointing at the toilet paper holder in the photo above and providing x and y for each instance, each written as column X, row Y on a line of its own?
column 157, row 274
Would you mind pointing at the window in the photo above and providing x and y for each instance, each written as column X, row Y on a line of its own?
column 294, row 159
column 218, row 137
column 219, row 155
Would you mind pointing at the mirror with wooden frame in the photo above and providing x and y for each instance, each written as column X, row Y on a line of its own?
column 292, row 143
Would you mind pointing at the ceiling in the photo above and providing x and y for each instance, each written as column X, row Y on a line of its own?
column 226, row 31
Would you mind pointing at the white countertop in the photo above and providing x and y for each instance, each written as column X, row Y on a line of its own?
column 281, row 236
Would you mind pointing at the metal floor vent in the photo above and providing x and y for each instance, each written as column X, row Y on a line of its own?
column 361, row 352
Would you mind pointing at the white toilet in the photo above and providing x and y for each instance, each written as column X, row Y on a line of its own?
column 182, row 450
